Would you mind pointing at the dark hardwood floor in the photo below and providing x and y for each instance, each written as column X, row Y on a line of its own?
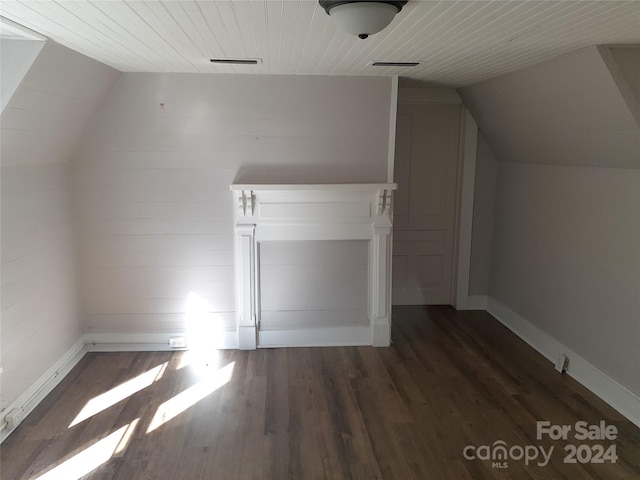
column 450, row 380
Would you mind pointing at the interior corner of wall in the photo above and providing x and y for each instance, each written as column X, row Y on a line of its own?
column 620, row 81
column 17, row 58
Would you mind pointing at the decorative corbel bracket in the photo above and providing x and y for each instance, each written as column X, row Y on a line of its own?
column 246, row 202
column 384, row 202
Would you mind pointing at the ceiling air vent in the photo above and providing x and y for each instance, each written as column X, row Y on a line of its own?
column 395, row 64
column 236, row 61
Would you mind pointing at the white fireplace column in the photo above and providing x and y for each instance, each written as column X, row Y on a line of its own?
column 266, row 213
column 247, row 273
column 381, row 256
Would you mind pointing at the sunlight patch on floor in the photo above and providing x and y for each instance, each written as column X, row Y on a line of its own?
column 192, row 395
column 119, row 393
column 124, row 441
column 91, row 457
column 199, row 365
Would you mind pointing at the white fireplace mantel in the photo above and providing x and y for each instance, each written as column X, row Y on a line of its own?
column 301, row 212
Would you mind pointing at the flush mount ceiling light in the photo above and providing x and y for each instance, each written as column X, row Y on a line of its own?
column 362, row 18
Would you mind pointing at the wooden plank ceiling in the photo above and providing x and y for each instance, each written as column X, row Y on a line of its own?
column 456, row 42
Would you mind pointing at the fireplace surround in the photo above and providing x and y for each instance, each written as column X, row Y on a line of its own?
column 313, row 212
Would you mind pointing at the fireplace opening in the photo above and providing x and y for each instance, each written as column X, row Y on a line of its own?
column 313, row 284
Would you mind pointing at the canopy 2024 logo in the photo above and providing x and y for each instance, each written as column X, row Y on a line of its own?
column 500, row 454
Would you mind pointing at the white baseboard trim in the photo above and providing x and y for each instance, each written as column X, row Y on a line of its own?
column 98, row 342
column 316, row 337
column 148, row 342
column 477, row 302
column 609, row 390
column 39, row 389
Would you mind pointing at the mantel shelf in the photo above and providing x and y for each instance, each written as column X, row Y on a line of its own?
column 319, row 203
column 317, row 186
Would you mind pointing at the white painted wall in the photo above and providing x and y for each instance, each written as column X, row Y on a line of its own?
column 152, row 184
column 16, row 57
column 39, row 306
column 52, row 108
column 568, row 111
column 627, row 58
column 40, row 127
column 566, row 242
column 566, row 256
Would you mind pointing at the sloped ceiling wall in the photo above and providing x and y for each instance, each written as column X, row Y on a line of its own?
column 565, row 251
column 41, row 127
column 50, row 110
column 568, row 111
column 16, row 57
column 627, row 59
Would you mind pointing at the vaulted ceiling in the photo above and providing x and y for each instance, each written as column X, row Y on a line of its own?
column 456, row 42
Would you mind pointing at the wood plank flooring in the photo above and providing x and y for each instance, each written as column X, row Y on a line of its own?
column 450, row 380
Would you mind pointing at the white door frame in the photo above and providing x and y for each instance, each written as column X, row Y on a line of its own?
column 465, row 184
column 464, row 220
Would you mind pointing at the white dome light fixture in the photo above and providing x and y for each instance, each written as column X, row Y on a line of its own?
column 361, row 17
